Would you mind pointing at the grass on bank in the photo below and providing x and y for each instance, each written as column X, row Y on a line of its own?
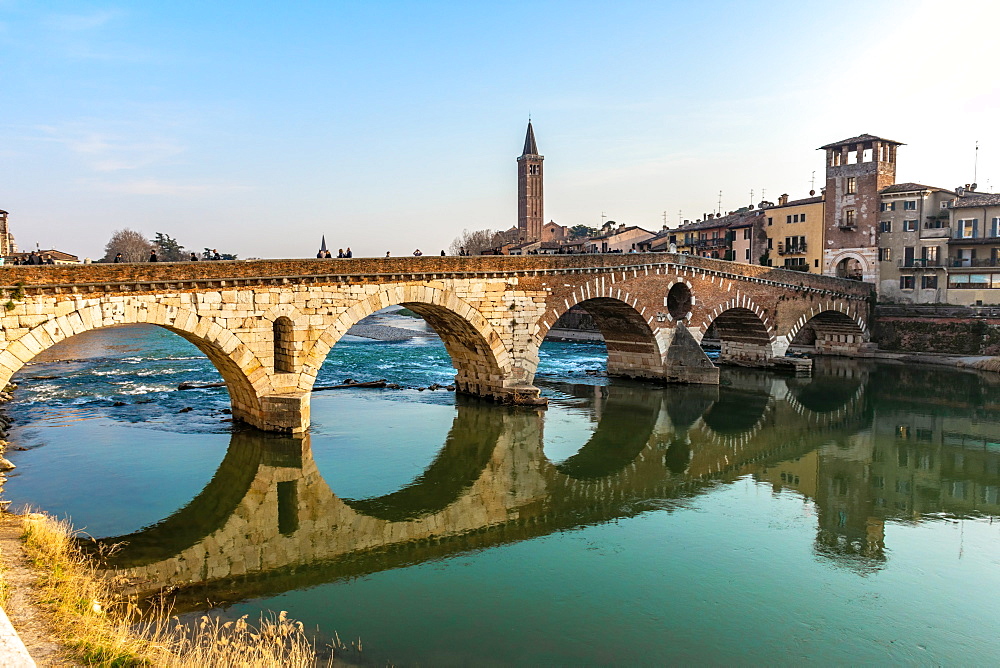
column 104, row 627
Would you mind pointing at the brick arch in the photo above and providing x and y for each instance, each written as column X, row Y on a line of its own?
column 847, row 309
column 635, row 348
column 230, row 356
column 743, row 328
column 476, row 349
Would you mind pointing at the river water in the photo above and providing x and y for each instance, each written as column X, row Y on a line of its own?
column 845, row 518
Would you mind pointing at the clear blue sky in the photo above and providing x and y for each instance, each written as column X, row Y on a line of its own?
column 257, row 127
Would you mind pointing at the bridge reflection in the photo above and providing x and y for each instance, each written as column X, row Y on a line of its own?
column 864, row 449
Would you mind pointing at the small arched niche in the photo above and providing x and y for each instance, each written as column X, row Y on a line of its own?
column 284, row 354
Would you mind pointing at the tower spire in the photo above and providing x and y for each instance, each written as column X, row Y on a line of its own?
column 530, row 148
column 530, row 200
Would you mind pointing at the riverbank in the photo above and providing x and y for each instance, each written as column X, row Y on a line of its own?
column 68, row 613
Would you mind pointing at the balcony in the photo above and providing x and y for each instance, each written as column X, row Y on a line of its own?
column 848, row 226
column 974, row 262
column 918, row 262
column 791, row 250
column 721, row 242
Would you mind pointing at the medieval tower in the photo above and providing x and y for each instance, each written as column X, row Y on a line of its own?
column 530, row 212
column 856, row 170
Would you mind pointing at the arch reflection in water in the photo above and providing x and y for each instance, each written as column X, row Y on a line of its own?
column 268, row 522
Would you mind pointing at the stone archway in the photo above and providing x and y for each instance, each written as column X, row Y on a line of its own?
column 231, row 357
column 482, row 364
column 832, row 328
column 744, row 337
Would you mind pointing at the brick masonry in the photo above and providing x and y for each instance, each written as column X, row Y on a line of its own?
column 268, row 325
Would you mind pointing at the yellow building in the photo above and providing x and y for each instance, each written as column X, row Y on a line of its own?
column 795, row 233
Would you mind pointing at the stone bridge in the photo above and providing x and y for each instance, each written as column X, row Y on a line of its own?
column 268, row 325
column 268, row 522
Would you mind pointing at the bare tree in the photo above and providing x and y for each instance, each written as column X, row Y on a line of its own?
column 474, row 242
column 133, row 246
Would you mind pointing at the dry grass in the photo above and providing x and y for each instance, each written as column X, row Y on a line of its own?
column 106, row 628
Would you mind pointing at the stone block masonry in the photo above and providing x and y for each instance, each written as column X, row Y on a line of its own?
column 268, row 325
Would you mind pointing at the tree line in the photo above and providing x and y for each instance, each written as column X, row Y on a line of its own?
column 135, row 247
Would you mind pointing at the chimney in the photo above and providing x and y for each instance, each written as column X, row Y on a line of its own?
column 783, row 199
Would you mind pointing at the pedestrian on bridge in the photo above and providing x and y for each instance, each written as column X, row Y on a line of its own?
column 118, row 258
column 417, row 253
column 348, row 252
column 194, row 257
column 152, row 256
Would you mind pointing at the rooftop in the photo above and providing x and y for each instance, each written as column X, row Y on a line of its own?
column 861, row 139
column 910, row 188
column 977, row 199
column 818, row 199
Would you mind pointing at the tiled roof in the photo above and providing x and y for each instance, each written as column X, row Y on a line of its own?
column 909, row 188
column 861, row 139
column 799, row 202
column 979, row 199
column 617, row 231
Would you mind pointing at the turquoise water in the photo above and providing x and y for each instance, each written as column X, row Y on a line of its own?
column 844, row 518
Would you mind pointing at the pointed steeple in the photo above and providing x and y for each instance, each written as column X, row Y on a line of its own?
column 322, row 245
column 529, row 142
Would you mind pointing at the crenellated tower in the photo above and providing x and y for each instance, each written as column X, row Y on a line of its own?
column 530, row 202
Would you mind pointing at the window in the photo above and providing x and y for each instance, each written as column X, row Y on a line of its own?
column 747, row 253
column 788, row 219
column 995, row 228
column 910, row 205
column 958, row 281
column 946, row 204
column 888, row 206
column 885, row 226
column 795, row 244
column 799, row 263
column 849, row 218
column 852, row 185
column 928, row 281
column 909, row 226
column 885, row 254
column 746, row 232
column 936, row 223
column 816, row 263
column 906, row 282
column 770, row 220
column 930, row 255
column 770, row 244
column 967, row 228
column 802, row 217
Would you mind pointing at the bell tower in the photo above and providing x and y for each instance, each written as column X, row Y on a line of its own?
column 530, row 202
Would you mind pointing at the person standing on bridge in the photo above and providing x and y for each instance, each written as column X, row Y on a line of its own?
column 152, row 256
column 348, row 252
column 194, row 257
column 118, row 258
column 417, row 253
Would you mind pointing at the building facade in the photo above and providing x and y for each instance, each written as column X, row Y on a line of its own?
column 530, row 197
column 7, row 245
column 857, row 170
column 974, row 249
column 795, row 233
column 913, row 236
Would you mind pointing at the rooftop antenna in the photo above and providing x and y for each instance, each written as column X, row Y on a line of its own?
column 664, row 219
column 680, row 216
column 812, row 181
column 975, row 164
column 762, row 191
column 603, row 217
column 718, row 208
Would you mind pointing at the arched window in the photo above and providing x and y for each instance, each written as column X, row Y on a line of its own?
column 284, row 357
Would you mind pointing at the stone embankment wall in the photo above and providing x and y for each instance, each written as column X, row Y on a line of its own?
column 959, row 330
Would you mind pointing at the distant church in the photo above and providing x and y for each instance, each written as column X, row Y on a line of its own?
column 530, row 209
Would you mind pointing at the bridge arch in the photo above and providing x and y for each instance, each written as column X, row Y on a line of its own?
column 744, row 331
column 832, row 327
column 482, row 363
column 235, row 362
column 635, row 349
